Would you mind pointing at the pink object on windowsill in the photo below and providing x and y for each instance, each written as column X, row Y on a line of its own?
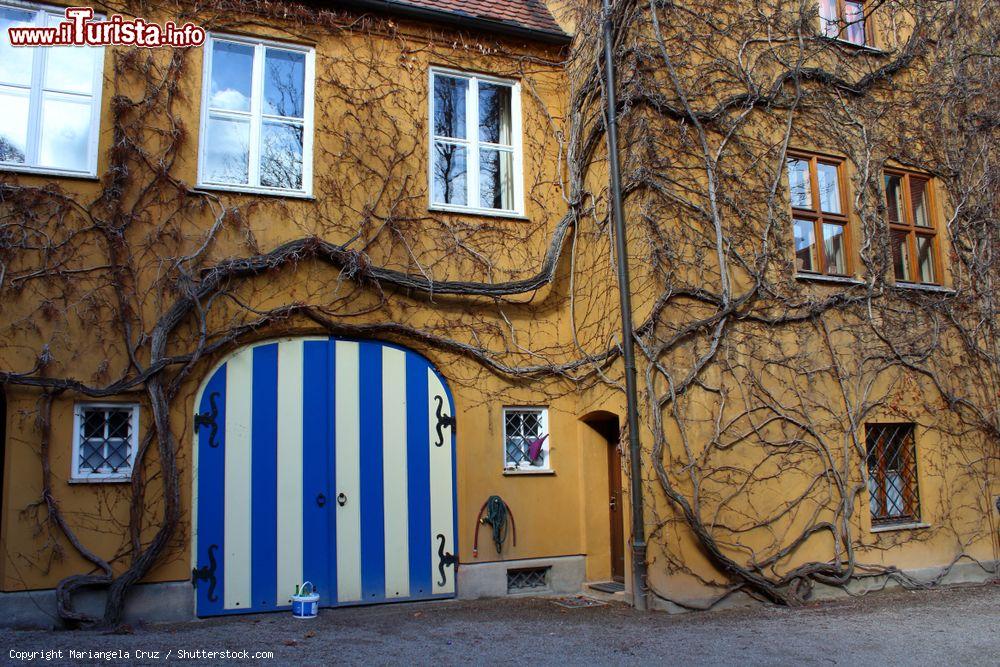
column 535, row 448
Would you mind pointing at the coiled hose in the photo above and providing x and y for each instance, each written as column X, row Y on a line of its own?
column 496, row 513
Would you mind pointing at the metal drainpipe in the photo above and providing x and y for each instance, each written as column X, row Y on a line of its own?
column 628, row 335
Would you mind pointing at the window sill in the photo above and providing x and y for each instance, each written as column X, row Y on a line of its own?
column 528, row 473
column 890, row 527
column 256, row 192
column 854, row 46
column 920, row 287
column 45, row 171
column 479, row 212
column 820, row 278
column 116, row 479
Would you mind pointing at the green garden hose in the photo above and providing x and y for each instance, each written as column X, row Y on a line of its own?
column 496, row 513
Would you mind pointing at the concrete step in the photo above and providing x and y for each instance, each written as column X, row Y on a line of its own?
column 623, row 596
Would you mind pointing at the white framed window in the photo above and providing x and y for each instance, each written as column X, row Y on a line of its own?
column 50, row 99
column 476, row 162
column 105, row 440
column 257, row 116
column 526, row 438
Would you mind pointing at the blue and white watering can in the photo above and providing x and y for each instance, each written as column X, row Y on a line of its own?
column 305, row 602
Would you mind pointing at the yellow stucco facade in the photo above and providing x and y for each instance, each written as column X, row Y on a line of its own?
column 370, row 192
column 548, row 508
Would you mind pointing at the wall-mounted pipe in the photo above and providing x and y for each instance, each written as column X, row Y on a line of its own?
column 628, row 335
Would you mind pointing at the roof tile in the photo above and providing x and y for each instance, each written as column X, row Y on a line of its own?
column 530, row 14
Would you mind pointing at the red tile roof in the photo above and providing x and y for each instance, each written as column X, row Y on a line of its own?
column 531, row 15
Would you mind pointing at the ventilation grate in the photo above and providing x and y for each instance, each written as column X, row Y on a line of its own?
column 527, row 579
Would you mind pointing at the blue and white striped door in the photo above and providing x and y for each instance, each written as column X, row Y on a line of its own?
column 323, row 460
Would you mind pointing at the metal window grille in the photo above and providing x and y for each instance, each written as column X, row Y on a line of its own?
column 106, row 440
column 521, row 428
column 527, row 579
column 892, row 473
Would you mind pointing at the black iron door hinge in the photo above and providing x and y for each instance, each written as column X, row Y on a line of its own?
column 443, row 421
column 206, row 573
column 444, row 560
column 209, row 419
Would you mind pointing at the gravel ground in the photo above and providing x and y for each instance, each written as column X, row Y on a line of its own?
column 956, row 626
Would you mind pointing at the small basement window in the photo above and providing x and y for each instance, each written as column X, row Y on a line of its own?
column 527, row 579
column 104, row 441
column 526, row 441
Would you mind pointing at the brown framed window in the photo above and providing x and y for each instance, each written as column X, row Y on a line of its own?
column 913, row 234
column 819, row 215
column 892, row 473
column 846, row 20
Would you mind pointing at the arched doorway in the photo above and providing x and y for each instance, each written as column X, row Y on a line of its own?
column 607, row 425
column 325, row 460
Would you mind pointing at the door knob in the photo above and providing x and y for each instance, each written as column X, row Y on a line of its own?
column 341, row 500
column 613, row 503
column 321, row 500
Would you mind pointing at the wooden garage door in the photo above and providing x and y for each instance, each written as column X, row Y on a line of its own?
column 324, row 460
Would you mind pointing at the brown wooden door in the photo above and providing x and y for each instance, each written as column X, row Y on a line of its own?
column 616, row 511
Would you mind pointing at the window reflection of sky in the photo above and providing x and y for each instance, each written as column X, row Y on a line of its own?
column 65, row 133
column 496, row 186
column 449, row 106
column 227, row 151
column 281, row 163
column 805, row 242
column 232, row 76
column 61, row 139
column 69, row 68
column 833, row 248
column 490, row 143
column 805, row 234
column 284, row 83
column 829, row 190
column 236, row 118
column 798, row 181
column 15, row 64
column 13, row 125
column 450, row 169
column 494, row 113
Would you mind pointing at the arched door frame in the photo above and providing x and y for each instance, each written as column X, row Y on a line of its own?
column 203, row 385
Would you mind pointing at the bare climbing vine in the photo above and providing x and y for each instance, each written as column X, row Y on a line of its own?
column 755, row 386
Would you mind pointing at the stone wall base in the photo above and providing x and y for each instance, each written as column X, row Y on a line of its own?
column 960, row 573
column 167, row 602
column 565, row 575
column 173, row 602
